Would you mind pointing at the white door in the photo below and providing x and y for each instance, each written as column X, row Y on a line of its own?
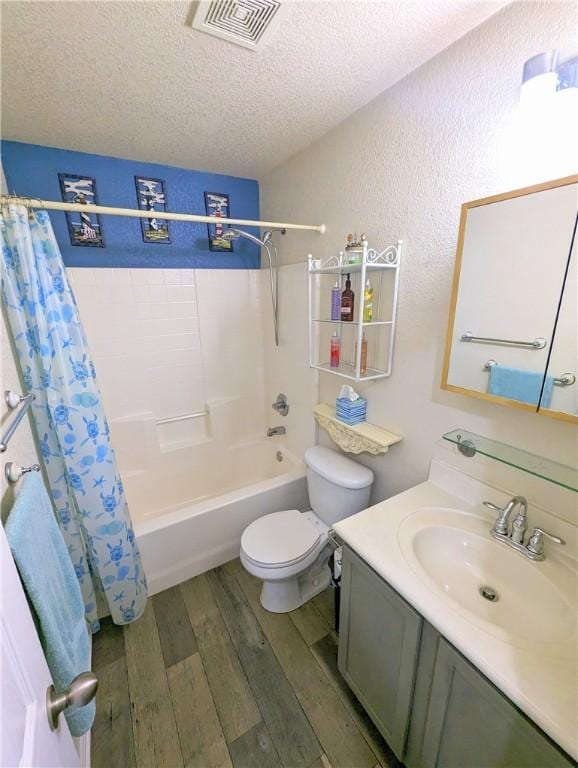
column 26, row 740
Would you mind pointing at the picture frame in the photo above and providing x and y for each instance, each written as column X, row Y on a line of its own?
column 151, row 196
column 84, row 228
column 217, row 204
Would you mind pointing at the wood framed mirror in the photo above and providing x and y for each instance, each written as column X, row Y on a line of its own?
column 512, row 334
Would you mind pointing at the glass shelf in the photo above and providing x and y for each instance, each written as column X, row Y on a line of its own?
column 350, row 269
column 347, row 371
column 470, row 443
column 352, row 322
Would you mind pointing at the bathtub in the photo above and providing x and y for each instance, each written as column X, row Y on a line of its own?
column 224, row 493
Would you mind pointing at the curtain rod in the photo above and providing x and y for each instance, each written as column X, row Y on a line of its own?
column 53, row 205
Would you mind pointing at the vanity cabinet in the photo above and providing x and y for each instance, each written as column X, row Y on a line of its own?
column 469, row 722
column 433, row 707
column 379, row 637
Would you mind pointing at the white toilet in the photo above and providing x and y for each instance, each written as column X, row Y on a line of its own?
column 290, row 550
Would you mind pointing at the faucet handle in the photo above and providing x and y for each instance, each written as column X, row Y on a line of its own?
column 535, row 545
column 494, row 507
column 501, row 524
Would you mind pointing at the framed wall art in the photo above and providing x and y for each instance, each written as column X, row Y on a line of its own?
column 217, row 204
column 151, row 195
column 84, row 228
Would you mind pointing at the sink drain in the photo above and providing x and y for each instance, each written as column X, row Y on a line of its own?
column 489, row 594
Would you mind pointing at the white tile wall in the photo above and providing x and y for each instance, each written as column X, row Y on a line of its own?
column 167, row 343
column 287, row 366
column 143, row 330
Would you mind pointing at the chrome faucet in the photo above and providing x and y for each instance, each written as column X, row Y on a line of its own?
column 514, row 535
column 272, row 431
column 502, row 524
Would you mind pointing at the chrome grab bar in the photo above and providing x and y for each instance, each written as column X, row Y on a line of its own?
column 565, row 380
column 538, row 343
column 183, row 417
column 14, row 401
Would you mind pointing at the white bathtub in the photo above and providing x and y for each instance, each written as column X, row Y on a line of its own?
column 223, row 495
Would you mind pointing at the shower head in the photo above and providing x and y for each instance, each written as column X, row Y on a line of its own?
column 232, row 233
column 235, row 234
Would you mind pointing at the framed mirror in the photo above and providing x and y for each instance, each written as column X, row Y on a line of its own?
column 512, row 334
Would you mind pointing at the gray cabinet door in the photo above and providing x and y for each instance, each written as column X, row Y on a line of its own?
column 378, row 644
column 471, row 724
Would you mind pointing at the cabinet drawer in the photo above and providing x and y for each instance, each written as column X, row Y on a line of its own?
column 378, row 646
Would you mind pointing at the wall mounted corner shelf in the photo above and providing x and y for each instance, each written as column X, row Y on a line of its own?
column 382, row 269
column 362, row 438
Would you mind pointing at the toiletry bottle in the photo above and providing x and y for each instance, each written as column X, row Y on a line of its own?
column 347, row 301
column 336, row 301
column 363, row 360
column 335, row 350
column 368, row 303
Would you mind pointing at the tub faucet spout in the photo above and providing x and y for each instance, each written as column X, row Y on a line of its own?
column 272, row 431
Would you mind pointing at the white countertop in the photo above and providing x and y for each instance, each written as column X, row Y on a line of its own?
column 542, row 685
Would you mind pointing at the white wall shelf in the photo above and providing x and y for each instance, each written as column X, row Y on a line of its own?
column 382, row 269
column 362, row 438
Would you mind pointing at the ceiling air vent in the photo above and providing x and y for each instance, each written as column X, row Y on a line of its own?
column 243, row 22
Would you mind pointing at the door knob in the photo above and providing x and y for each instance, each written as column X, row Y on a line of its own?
column 82, row 691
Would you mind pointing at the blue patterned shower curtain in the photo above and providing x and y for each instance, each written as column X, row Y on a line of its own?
column 71, row 427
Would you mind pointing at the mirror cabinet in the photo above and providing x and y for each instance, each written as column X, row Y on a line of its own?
column 513, row 327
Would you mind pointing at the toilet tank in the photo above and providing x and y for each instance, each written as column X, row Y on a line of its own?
column 338, row 487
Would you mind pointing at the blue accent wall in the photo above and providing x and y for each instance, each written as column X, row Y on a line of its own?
column 32, row 171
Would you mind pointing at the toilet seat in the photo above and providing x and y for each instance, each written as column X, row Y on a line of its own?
column 281, row 539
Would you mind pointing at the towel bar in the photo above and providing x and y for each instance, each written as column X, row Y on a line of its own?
column 15, row 401
column 565, row 380
column 537, row 343
column 183, row 417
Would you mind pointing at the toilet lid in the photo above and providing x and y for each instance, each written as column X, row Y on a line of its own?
column 280, row 538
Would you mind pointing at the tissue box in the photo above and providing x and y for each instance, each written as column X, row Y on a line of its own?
column 351, row 411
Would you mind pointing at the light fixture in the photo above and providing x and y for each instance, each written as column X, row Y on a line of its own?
column 568, row 80
column 540, row 78
column 544, row 76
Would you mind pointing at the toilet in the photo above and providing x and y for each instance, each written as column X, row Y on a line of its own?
column 290, row 550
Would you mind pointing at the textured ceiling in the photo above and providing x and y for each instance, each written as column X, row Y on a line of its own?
column 133, row 79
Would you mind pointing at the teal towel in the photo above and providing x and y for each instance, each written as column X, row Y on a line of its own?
column 53, row 590
column 521, row 385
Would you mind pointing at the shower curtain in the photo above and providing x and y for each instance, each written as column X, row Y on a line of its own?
column 70, row 423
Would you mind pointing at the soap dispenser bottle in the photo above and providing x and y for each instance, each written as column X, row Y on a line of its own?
column 347, row 301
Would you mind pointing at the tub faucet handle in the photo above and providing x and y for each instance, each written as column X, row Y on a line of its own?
column 281, row 405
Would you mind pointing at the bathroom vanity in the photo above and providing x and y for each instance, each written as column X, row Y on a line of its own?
column 430, row 704
column 448, row 683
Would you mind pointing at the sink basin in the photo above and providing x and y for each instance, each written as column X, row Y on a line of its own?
column 521, row 601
